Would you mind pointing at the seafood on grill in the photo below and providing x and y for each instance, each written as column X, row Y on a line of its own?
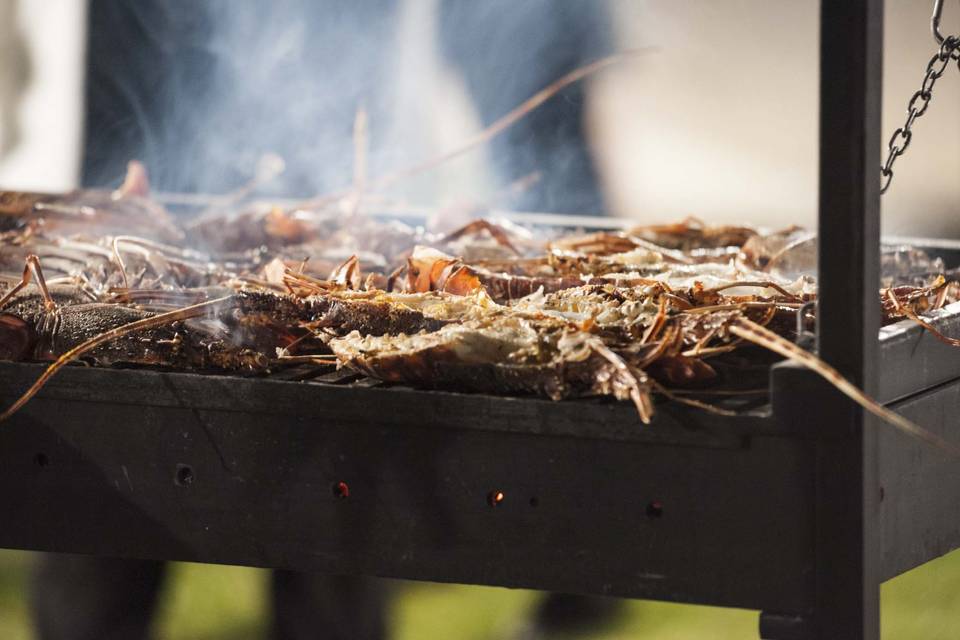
column 89, row 210
column 593, row 339
column 43, row 322
column 692, row 235
column 505, row 353
column 490, row 307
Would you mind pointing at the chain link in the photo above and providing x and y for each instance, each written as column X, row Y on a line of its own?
column 918, row 104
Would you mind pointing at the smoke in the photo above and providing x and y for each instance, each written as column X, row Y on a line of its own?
column 200, row 91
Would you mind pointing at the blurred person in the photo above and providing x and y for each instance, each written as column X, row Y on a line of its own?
column 200, row 94
column 200, row 91
column 506, row 51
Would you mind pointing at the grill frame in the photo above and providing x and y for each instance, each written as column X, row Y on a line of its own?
column 811, row 488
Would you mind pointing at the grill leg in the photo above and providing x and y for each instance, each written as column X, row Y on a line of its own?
column 847, row 584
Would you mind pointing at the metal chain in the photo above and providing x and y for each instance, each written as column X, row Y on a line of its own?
column 900, row 140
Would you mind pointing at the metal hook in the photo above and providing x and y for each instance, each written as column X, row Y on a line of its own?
column 935, row 21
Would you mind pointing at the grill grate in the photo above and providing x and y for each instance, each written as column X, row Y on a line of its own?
column 322, row 374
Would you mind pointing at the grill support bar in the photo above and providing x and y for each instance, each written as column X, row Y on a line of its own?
column 847, row 551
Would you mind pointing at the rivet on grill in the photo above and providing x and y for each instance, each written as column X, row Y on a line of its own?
column 494, row 498
column 41, row 459
column 341, row 490
column 655, row 509
column 534, row 501
column 184, row 475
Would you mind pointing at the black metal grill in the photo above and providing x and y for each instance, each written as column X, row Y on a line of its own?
column 798, row 508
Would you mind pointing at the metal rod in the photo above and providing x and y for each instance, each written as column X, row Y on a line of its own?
column 846, row 532
column 935, row 21
column 849, row 203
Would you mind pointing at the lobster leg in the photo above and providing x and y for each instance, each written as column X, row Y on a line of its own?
column 31, row 271
column 499, row 233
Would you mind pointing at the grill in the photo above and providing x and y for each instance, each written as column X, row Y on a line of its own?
column 798, row 507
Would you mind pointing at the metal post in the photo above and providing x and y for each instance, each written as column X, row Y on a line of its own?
column 847, row 536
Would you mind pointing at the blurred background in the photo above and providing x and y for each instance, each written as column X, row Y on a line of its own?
column 208, row 602
column 716, row 118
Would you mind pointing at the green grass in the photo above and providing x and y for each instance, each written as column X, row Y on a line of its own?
column 212, row 602
column 14, row 617
column 228, row 603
